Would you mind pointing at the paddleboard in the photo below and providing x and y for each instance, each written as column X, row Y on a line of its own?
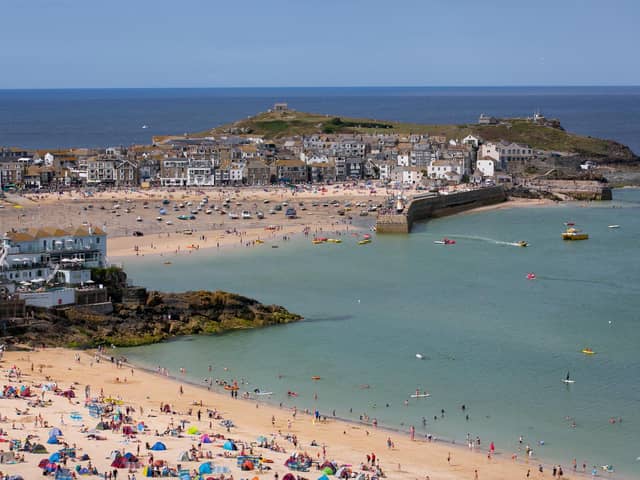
column 264, row 393
column 421, row 395
column 568, row 381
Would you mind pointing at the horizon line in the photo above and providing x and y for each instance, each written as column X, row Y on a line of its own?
column 320, row 86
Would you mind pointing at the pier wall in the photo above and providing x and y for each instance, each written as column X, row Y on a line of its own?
column 429, row 205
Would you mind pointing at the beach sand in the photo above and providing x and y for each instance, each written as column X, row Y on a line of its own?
column 320, row 217
column 346, row 443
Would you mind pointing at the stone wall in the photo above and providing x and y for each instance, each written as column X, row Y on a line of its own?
column 423, row 207
column 576, row 189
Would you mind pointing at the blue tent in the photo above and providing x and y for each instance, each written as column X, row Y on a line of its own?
column 204, row 468
column 159, row 446
column 52, row 440
column 55, row 432
column 323, row 477
column 229, row 445
column 55, row 457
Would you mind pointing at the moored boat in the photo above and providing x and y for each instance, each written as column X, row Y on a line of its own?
column 572, row 233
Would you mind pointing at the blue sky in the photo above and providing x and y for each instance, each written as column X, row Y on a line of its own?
column 216, row 43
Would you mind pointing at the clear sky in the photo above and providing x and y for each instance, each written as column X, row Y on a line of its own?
column 229, row 43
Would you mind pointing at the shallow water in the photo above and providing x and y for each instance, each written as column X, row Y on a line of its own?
column 492, row 340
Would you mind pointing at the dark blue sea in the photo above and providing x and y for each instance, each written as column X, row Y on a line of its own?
column 103, row 117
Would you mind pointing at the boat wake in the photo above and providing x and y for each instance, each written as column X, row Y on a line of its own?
column 485, row 239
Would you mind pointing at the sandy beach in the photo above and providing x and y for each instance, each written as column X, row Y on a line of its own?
column 144, row 392
column 123, row 212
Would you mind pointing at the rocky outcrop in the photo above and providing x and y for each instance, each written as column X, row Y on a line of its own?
column 153, row 317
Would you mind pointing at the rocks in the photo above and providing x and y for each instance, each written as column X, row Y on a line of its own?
column 159, row 317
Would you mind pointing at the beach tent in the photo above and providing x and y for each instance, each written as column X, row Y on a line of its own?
column 184, row 457
column 205, row 438
column 229, row 445
column 289, row 476
column 38, row 448
column 159, row 446
column 52, row 440
column 54, row 457
column 328, row 471
column 119, row 462
column 55, row 432
column 247, row 465
column 192, row 430
column 205, row 468
column 323, row 477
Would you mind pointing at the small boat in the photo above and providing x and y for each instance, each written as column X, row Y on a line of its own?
column 167, row 262
column 572, row 233
column 445, row 241
column 169, row 222
column 419, row 356
column 315, row 377
column 292, row 394
column 208, row 211
column 138, row 219
column 420, row 395
column 264, row 393
column 334, row 240
column 246, row 215
column 144, row 127
column 316, row 241
column 522, row 243
column 365, row 241
column 531, row 276
column 233, row 216
column 588, row 351
column 614, row 226
column 366, row 236
column 259, row 242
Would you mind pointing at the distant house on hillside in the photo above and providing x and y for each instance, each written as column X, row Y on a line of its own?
column 487, row 120
column 280, row 107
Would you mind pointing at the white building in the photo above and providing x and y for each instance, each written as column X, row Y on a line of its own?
column 486, row 166
column 403, row 160
column 471, row 140
column 444, row 169
column 43, row 256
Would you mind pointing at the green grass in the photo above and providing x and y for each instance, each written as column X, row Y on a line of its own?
column 276, row 125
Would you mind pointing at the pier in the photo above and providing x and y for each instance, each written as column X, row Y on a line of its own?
column 433, row 205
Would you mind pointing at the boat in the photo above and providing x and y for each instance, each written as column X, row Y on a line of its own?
column 572, row 233
column 568, row 380
column 144, row 127
column 522, row 243
column 233, row 216
column 588, row 351
column 259, row 215
column 365, row 241
column 334, row 240
column 614, row 226
column 167, row 262
column 315, row 377
column 419, row 356
column 186, row 217
column 420, row 395
column 246, row 215
column 138, row 219
column 208, row 211
column 264, row 393
column 531, row 276
column 445, row 241
column 316, row 242
column 231, row 388
column 366, row 236
column 292, row 394
column 259, row 242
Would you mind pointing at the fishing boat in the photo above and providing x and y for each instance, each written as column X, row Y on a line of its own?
column 588, row 351
column 572, row 233
column 522, row 243
column 364, row 241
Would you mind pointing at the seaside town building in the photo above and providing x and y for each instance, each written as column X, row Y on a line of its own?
column 45, row 266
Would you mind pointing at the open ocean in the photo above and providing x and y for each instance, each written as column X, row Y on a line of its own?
column 104, row 117
column 492, row 340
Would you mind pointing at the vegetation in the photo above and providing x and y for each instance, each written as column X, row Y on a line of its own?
column 274, row 125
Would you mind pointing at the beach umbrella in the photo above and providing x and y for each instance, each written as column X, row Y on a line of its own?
column 192, row 430
column 205, row 468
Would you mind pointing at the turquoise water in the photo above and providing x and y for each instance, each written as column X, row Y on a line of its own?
column 493, row 340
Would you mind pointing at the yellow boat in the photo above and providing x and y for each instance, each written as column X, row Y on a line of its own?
column 364, row 242
column 334, row 240
column 259, row 242
column 317, row 242
column 588, row 351
column 574, row 234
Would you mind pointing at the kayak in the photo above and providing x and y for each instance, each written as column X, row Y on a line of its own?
column 315, row 377
column 588, row 351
